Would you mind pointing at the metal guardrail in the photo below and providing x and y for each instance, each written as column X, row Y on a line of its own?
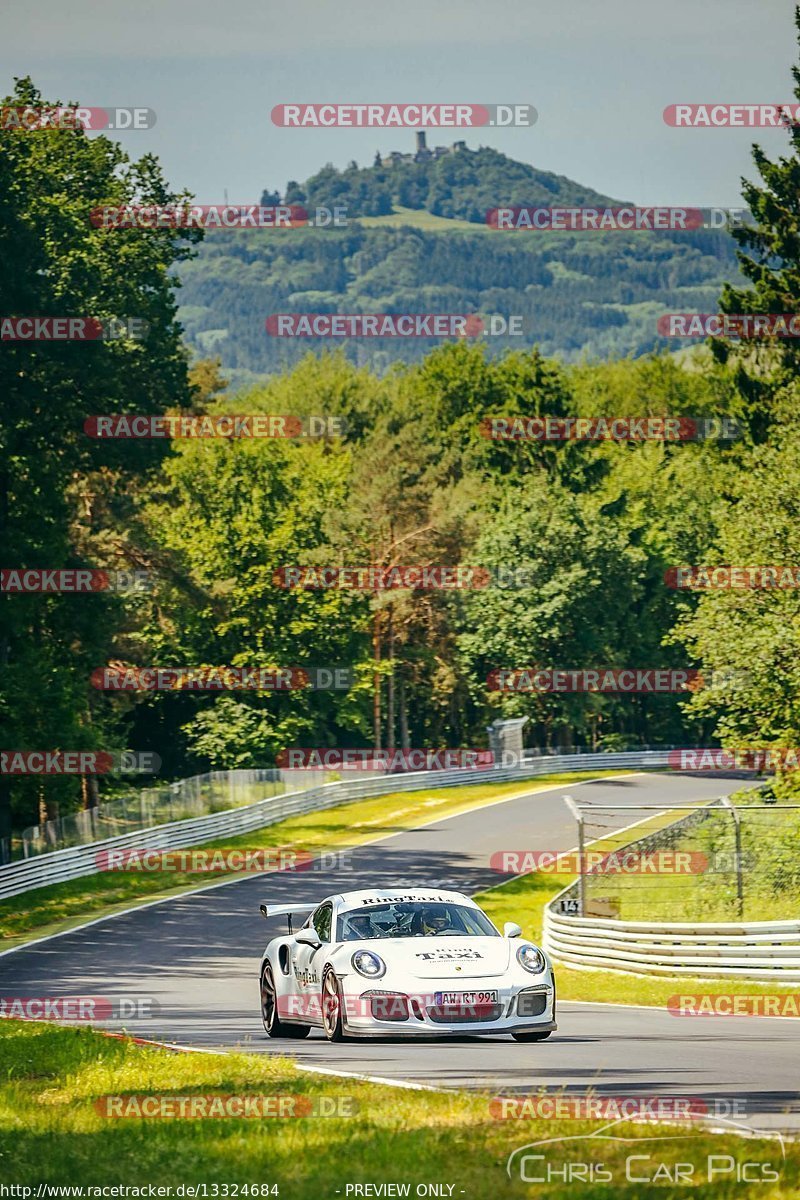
column 182, row 800
column 758, row 950
column 765, row 951
column 79, row 861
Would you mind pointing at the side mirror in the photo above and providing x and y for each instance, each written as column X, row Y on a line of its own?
column 512, row 930
column 307, row 937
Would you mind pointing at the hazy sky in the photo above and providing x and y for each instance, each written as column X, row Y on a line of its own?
column 599, row 75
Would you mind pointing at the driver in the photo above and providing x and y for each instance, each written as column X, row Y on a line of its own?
column 435, row 919
column 361, row 926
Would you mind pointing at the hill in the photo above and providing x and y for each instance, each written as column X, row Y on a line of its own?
column 453, row 182
column 417, row 241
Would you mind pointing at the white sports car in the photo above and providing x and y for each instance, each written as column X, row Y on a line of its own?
column 403, row 963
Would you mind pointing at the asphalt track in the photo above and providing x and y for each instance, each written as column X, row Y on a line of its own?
column 197, row 957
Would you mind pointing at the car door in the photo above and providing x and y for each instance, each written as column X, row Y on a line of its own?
column 307, row 960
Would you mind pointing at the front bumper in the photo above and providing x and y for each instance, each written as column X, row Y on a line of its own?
column 370, row 1011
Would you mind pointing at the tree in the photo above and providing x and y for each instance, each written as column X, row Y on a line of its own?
column 565, row 593
column 749, row 638
column 769, row 259
column 53, row 262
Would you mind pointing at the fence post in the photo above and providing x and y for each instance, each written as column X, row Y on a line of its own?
column 578, row 815
column 737, row 826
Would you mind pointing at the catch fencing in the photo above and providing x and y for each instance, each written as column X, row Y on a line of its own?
column 81, row 860
column 216, row 791
column 741, row 862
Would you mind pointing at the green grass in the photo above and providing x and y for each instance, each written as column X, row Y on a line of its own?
column 770, row 875
column 419, row 218
column 52, row 1132
column 523, row 900
column 60, row 906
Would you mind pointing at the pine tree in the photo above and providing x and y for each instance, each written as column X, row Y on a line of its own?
column 769, row 259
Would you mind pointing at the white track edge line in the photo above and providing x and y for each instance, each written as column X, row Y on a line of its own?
column 241, row 878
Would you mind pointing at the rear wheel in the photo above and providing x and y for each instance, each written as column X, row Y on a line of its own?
column 269, row 1010
column 332, row 1007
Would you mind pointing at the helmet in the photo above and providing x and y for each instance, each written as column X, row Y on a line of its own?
column 435, row 918
column 361, row 925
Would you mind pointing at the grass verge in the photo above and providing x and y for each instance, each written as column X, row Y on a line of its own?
column 770, row 840
column 53, row 1131
column 523, row 900
column 61, row 906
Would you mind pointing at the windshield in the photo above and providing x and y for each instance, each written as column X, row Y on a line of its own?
column 417, row 919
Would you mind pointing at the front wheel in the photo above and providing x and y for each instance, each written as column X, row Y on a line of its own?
column 269, row 1010
column 332, row 1007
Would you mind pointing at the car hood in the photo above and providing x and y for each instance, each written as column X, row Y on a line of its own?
column 446, row 957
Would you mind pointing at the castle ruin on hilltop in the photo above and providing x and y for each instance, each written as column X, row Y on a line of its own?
column 422, row 153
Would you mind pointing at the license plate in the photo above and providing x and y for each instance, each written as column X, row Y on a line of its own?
column 465, row 998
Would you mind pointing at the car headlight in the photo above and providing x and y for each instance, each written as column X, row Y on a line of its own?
column 368, row 964
column 531, row 959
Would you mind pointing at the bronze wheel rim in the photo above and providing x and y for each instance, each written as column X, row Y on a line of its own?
column 267, row 998
column 330, row 1003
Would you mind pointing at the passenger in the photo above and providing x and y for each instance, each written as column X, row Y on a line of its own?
column 360, row 926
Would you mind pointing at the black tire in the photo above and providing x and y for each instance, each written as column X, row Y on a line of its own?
column 331, row 1002
column 269, row 1010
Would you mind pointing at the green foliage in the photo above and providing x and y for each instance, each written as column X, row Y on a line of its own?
column 463, row 184
column 753, row 634
column 593, row 527
column 580, row 295
column 62, row 495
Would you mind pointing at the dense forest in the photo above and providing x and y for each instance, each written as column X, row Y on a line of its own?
column 579, row 295
column 579, row 537
column 460, row 184
column 417, row 239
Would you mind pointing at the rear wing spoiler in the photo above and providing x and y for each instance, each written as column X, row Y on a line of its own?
column 279, row 908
